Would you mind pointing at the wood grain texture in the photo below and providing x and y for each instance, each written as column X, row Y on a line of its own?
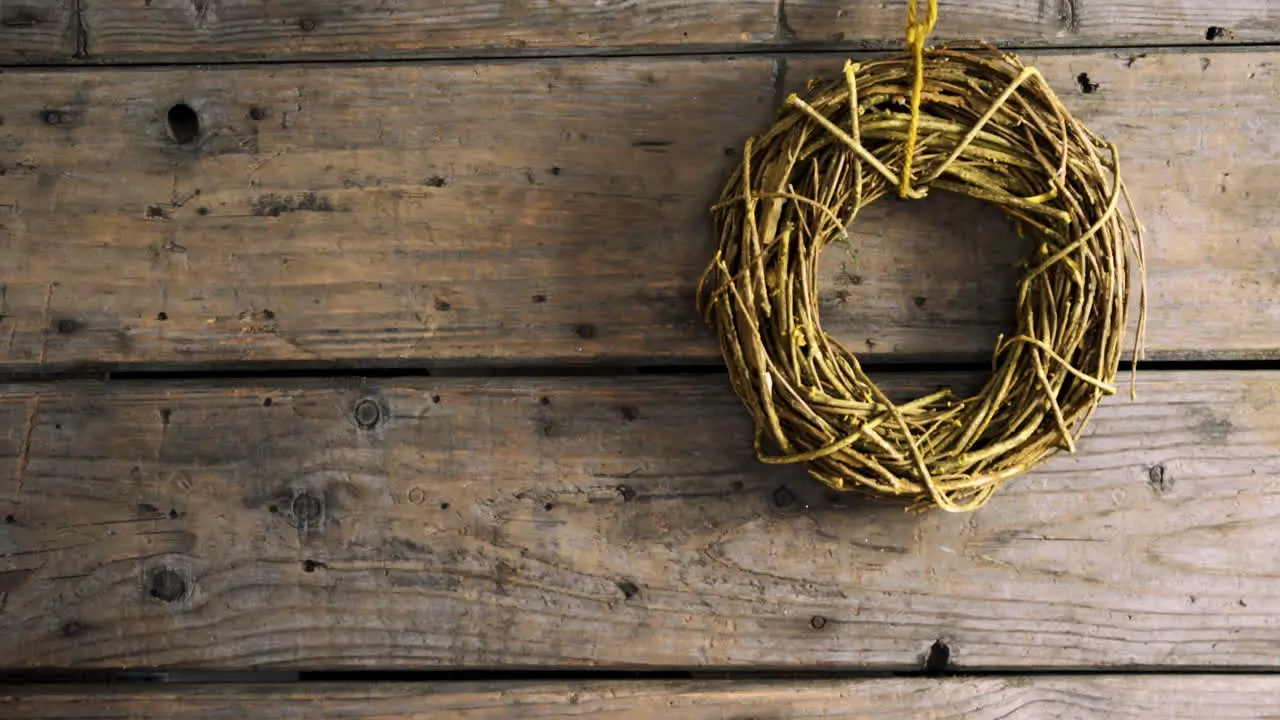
column 37, row 31
column 236, row 30
column 556, row 211
column 1067, row 23
column 612, row 523
column 1142, row 697
column 206, row 30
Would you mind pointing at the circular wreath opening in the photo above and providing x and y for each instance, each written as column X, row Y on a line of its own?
column 989, row 128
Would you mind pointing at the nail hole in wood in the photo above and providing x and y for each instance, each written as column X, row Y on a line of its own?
column 783, row 497
column 938, row 659
column 1159, row 479
column 184, row 123
column 628, row 588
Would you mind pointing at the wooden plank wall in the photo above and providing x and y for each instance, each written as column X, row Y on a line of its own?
column 269, row 221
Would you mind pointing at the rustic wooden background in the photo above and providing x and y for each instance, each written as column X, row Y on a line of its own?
column 343, row 337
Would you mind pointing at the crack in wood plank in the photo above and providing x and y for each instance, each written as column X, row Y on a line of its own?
column 783, row 31
column 1069, row 15
column 79, row 32
column 33, row 416
column 45, row 320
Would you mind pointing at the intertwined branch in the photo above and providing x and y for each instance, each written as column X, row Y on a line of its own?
column 989, row 128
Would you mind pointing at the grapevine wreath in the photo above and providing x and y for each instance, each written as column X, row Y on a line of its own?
column 972, row 121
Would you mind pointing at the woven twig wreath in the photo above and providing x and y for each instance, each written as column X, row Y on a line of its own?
column 989, row 128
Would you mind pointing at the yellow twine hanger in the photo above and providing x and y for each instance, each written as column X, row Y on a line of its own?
column 917, row 33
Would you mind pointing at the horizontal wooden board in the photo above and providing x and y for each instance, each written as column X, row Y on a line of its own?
column 1063, row 23
column 205, row 31
column 1148, row 697
column 610, row 522
column 37, row 31
column 555, row 211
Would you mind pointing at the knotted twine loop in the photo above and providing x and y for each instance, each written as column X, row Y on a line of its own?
column 917, row 35
column 980, row 124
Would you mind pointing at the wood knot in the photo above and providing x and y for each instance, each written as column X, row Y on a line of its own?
column 167, row 585
column 307, row 509
column 367, row 414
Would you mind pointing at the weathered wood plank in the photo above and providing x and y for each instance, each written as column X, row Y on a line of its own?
column 555, row 211
column 236, row 30
column 37, row 31
column 610, row 522
column 206, row 31
column 1149, row 697
column 1061, row 23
